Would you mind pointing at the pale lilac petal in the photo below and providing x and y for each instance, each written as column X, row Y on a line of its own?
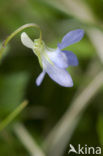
column 40, row 78
column 60, row 76
column 26, row 41
column 58, row 58
column 71, row 38
column 72, row 58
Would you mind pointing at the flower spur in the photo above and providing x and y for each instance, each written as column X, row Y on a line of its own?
column 55, row 61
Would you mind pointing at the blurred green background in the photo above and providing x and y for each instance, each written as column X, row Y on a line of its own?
column 49, row 102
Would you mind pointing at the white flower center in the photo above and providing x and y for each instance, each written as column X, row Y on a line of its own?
column 40, row 51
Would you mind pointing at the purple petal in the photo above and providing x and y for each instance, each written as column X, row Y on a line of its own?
column 58, row 58
column 40, row 78
column 60, row 76
column 72, row 58
column 71, row 38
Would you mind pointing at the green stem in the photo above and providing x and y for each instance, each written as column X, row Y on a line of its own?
column 11, row 116
column 16, row 32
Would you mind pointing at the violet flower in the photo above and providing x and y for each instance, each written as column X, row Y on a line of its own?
column 55, row 61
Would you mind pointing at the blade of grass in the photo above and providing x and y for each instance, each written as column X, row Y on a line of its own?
column 78, row 9
column 12, row 116
column 96, row 37
column 27, row 140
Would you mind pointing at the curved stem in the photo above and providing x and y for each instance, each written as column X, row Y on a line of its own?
column 15, row 33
